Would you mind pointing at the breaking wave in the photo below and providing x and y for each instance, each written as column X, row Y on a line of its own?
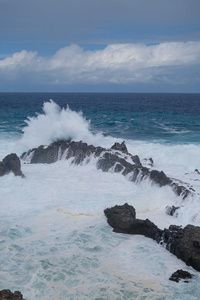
column 56, row 124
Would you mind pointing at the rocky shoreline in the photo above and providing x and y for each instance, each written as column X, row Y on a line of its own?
column 184, row 243
column 117, row 159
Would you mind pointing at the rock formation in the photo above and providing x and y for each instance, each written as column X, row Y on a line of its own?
column 180, row 275
column 116, row 159
column 182, row 242
column 11, row 163
column 8, row 295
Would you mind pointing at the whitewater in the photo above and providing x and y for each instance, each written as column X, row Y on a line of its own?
column 54, row 238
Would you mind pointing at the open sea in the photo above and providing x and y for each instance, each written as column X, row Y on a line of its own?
column 55, row 243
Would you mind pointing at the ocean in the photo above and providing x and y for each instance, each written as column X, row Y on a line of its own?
column 55, row 243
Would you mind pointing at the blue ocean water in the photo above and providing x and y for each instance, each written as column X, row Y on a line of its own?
column 164, row 118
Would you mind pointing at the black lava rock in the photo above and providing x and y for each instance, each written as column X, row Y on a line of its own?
column 179, row 275
column 11, row 163
column 8, row 295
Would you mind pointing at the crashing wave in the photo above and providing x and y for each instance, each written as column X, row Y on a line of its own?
column 56, row 124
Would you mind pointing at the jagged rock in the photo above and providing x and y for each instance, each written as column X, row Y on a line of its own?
column 170, row 210
column 160, row 178
column 151, row 161
column 123, row 220
column 108, row 161
column 79, row 151
column 8, row 295
column 136, row 160
column 121, row 217
column 11, row 163
column 119, row 161
column 180, row 190
column 182, row 242
column 180, row 274
column 120, row 147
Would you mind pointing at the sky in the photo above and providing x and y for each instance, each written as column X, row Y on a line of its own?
column 100, row 46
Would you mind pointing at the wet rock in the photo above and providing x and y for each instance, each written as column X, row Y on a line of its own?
column 11, row 163
column 136, row 160
column 107, row 160
column 160, row 178
column 171, row 210
column 182, row 242
column 121, row 217
column 8, row 295
column 120, row 147
column 123, row 220
column 151, row 161
column 181, row 190
column 179, row 275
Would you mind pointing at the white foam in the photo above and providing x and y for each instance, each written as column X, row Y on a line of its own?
column 56, row 243
column 170, row 129
column 54, row 240
column 56, row 124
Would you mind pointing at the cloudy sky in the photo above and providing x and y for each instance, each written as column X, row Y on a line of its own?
column 100, row 45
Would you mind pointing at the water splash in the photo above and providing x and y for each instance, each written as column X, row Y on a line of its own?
column 56, row 124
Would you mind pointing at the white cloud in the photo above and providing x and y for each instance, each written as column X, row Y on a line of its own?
column 117, row 63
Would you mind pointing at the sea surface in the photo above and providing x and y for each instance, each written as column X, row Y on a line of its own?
column 55, row 243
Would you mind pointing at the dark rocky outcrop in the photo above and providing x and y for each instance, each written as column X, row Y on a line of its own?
column 11, row 163
column 116, row 159
column 160, row 178
column 182, row 242
column 171, row 210
column 123, row 220
column 179, row 275
column 120, row 147
column 181, row 190
column 8, row 295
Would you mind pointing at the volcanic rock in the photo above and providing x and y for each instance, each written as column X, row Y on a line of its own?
column 8, row 295
column 160, row 178
column 171, row 210
column 182, row 242
column 180, row 274
column 116, row 159
column 11, row 163
column 120, row 147
column 123, row 220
